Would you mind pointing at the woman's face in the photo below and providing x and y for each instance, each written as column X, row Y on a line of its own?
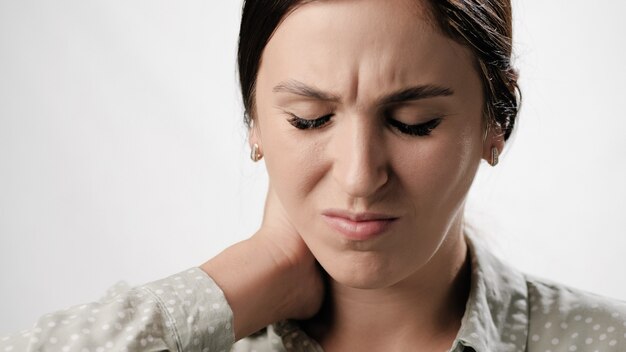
column 359, row 74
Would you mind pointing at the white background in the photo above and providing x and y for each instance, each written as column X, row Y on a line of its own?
column 123, row 154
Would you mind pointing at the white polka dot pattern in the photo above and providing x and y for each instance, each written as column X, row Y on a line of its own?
column 183, row 312
column 566, row 319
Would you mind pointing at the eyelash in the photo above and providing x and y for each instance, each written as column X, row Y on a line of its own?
column 304, row 124
column 420, row 130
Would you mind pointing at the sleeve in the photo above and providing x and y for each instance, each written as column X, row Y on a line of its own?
column 183, row 312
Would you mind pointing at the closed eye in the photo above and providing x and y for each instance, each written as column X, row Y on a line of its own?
column 305, row 124
column 420, row 129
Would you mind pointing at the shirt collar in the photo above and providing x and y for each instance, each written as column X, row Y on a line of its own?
column 496, row 313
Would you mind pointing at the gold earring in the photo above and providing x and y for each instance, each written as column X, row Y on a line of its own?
column 255, row 153
column 495, row 154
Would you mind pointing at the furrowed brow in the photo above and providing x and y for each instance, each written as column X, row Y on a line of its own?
column 416, row 93
column 401, row 96
column 299, row 88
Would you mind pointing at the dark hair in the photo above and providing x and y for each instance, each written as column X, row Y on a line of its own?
column 484, row 26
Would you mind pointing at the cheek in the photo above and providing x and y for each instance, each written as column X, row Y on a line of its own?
column 295, row 166
column 437, row 174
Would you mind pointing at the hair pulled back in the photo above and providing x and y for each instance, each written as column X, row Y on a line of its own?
column 484, row 26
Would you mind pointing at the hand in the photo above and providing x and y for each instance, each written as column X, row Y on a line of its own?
column 303, row 275
column 269, row 277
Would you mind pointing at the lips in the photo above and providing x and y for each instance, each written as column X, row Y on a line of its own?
column 358, row 226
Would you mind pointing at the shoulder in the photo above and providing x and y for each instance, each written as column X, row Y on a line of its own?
column 578, row 320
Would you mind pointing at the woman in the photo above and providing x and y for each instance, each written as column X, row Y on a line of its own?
column 372, row 117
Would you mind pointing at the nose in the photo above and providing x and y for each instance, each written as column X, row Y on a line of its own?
column 360, row 163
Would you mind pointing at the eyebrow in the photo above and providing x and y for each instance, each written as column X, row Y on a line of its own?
column 299, row 88
column 416, row 93
column 403, row 95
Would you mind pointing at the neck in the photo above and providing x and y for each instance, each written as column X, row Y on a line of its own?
column 425, row 309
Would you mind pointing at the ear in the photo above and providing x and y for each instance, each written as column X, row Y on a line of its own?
column 493, row 138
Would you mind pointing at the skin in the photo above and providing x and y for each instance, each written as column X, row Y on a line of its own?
column 411, row 283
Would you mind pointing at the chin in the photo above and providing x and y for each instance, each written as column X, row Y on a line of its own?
column 366, row 271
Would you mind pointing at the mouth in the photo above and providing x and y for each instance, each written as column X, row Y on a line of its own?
column 359, row 226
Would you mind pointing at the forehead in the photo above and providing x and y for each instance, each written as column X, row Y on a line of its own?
column 356, row 48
